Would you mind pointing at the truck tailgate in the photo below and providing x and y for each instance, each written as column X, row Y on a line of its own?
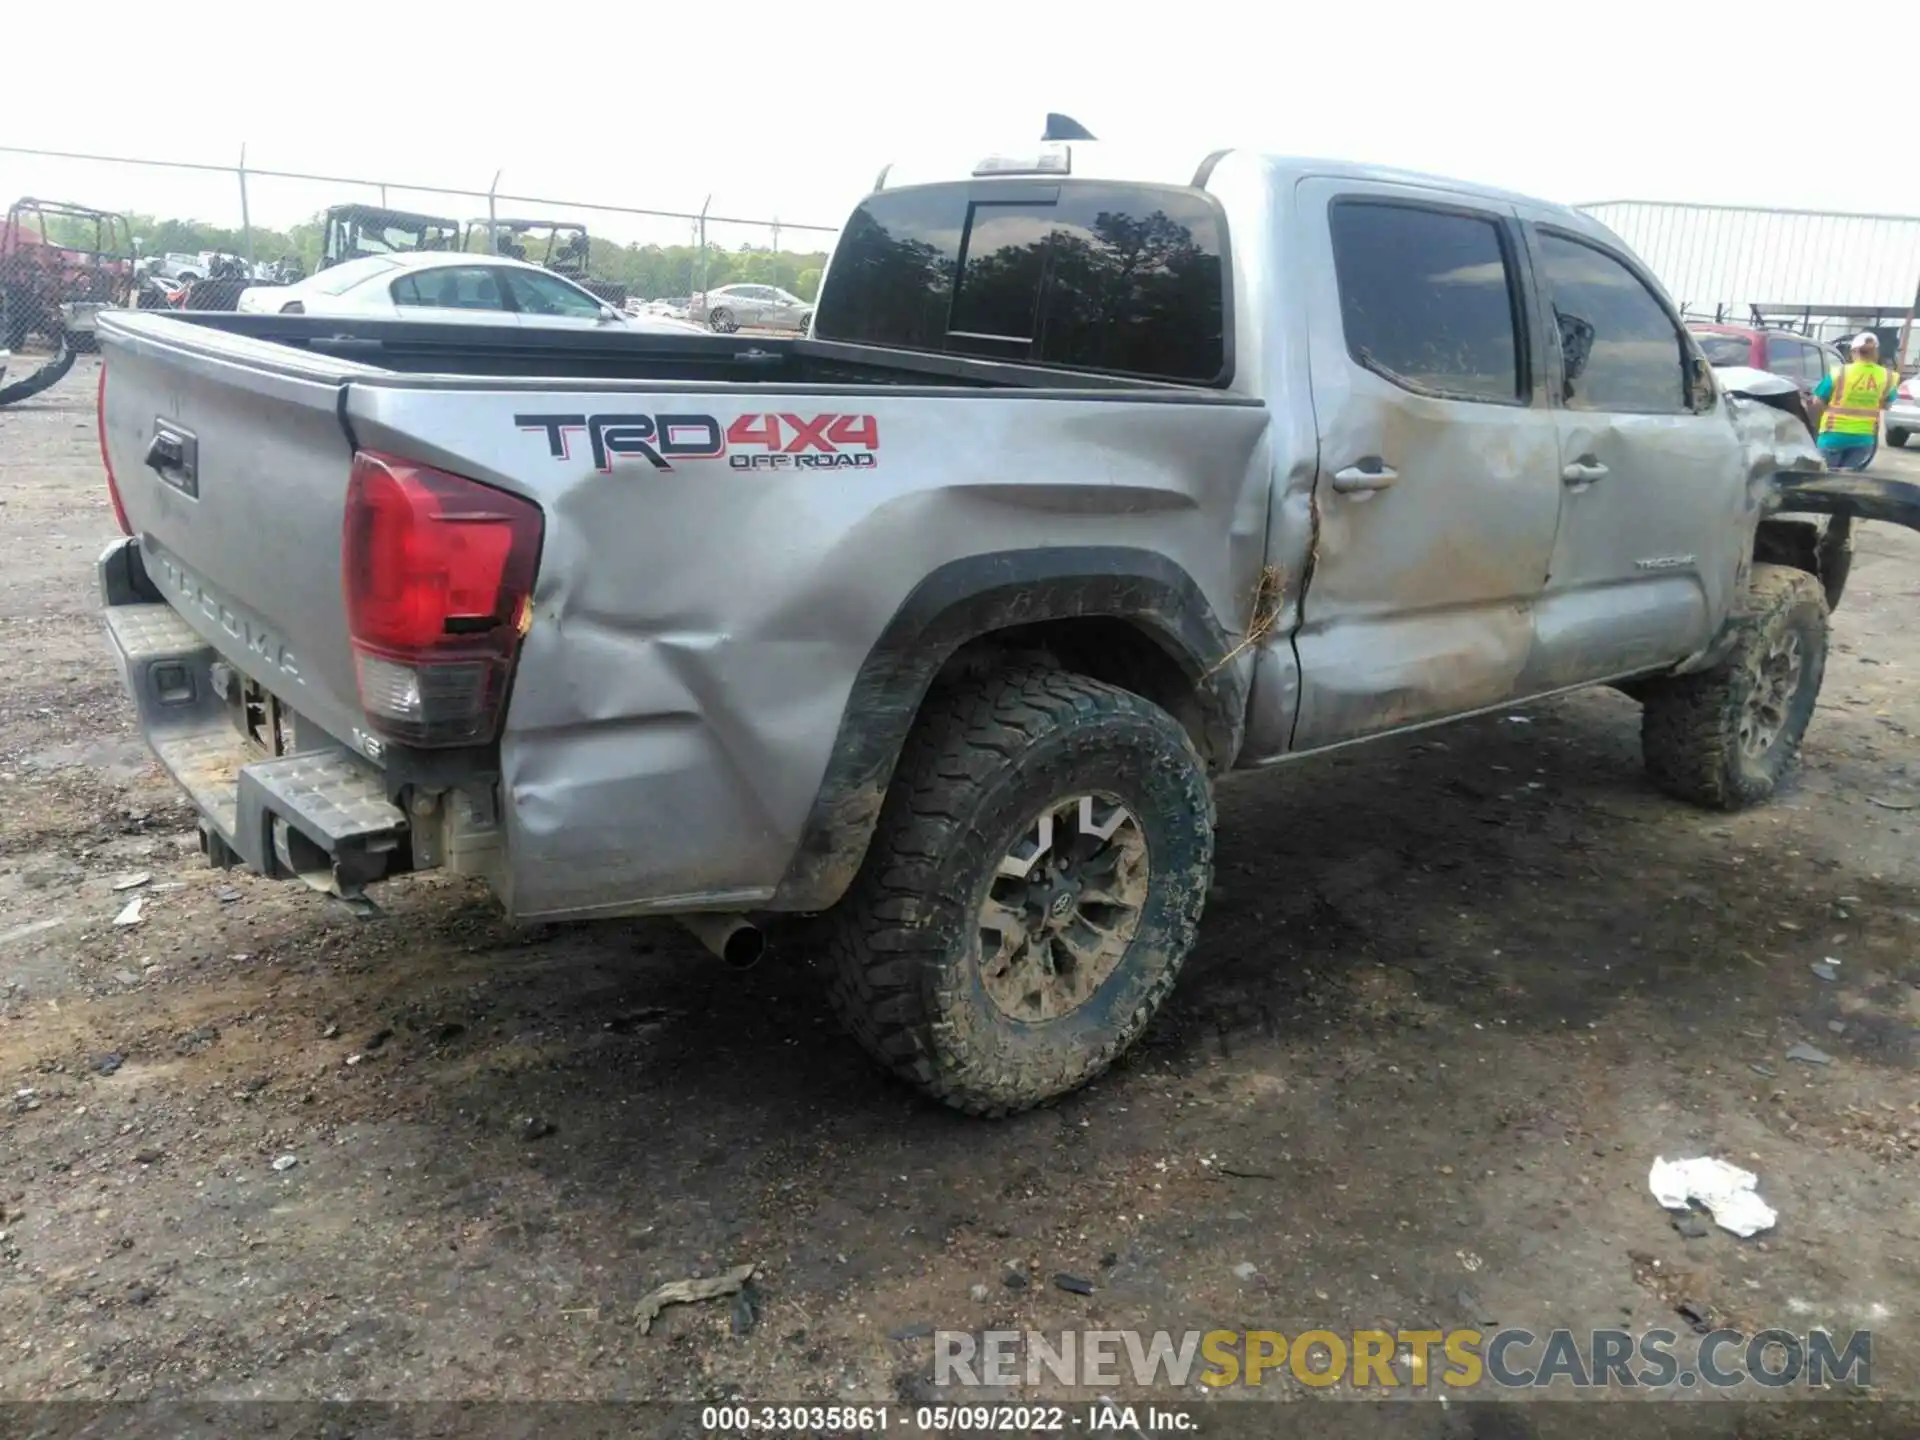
column 232, row 464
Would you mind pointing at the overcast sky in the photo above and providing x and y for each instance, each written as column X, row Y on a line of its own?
column 790, row 110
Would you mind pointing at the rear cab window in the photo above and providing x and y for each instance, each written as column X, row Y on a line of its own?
column 1080, row 275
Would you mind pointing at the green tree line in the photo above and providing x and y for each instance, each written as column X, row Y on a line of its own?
column 650, row 272
column 656, row 271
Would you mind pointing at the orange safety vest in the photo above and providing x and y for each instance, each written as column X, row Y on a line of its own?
column 1858, row 393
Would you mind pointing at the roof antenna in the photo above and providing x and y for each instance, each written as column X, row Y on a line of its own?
column 1065, row 127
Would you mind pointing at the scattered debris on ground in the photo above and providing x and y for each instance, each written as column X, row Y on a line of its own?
column 689, row 1292
column 1727, row 1192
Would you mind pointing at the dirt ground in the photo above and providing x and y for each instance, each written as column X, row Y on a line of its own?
column 1453, row 995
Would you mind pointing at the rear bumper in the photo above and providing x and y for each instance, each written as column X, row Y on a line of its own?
column 321, row 814
column 81, row 316
column 1903, row 417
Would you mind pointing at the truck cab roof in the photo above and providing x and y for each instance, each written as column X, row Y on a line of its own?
column 1158, row 163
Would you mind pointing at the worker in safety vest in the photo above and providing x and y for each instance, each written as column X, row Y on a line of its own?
column 1853, row 396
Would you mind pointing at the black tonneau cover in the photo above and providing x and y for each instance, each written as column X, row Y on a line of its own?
column 616, row 352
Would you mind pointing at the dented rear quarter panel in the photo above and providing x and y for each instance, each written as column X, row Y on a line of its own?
column 698, row 630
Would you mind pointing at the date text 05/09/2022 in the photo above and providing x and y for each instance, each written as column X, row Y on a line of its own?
column 828, row 1420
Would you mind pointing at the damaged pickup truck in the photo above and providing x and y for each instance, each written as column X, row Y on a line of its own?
column 1101, row 475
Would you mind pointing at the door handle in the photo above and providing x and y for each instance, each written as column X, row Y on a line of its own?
column 1370, row 474
column 165, row 452
column 174, row 455
column 1583, row 472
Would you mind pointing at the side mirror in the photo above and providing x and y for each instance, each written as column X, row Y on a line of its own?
column 607, row 312
column 1576, row 348
column 1700, row 384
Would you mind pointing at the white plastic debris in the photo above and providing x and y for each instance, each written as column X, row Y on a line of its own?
column 1726, row 1190
column 285, row 1162
column 131, row 915
column 132, row 882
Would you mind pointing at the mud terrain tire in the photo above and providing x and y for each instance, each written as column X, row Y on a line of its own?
column 1724, row 738
column 906, row 950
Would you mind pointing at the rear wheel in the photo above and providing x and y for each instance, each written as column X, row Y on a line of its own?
column 1897, row 438
column 1725, row 738
column 723, row 322
column 1030, row 893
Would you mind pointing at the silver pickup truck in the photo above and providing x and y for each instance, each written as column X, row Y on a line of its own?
column 1100, row 474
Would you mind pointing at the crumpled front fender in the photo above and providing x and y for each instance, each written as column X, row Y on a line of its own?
column 1773, row 424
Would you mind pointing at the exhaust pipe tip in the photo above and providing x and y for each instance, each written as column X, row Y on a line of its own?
column 737, row 941
column 745, row 948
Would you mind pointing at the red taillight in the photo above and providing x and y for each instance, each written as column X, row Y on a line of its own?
column 438, row 572
column 106, row 460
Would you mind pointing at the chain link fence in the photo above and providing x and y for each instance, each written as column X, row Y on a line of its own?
column 85, row 231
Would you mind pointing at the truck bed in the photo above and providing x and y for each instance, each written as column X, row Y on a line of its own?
column 422, row 347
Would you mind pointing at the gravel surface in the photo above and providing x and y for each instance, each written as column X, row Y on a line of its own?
column 1453, row 995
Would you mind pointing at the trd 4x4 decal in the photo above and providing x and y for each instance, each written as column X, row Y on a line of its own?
column 781, row 441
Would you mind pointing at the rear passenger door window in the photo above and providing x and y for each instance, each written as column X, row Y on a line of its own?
column 450, row 287
column 1793, row 360
column 1786, row 359
column 1620, row 349
column 1428, row 300
column 1813, row 363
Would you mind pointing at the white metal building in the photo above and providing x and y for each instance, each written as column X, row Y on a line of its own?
column 1801, row 266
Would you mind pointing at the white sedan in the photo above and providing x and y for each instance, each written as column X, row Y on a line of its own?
column 448, row 286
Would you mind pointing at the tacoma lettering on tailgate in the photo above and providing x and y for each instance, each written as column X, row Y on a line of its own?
column 256, row 640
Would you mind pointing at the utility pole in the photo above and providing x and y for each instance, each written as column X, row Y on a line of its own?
column 701, row 288
column 246, row 220
column 1906, row 329
column 776, row 234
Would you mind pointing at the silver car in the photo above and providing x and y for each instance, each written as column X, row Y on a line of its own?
column 761, row 307
column 1903, row 416
column 448, row 286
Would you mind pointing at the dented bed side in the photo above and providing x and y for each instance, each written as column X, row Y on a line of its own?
column 720, row 564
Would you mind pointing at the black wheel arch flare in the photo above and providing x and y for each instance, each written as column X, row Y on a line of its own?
column 967, row 600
